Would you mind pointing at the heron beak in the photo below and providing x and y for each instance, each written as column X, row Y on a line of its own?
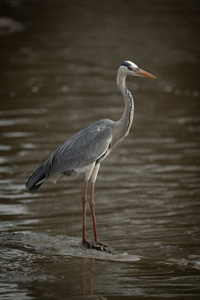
column 143, row 73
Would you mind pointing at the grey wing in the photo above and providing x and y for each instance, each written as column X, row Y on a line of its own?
column 87, row 146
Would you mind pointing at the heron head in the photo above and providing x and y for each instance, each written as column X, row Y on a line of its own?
column 129, row 68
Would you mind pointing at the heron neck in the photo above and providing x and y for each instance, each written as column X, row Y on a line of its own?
column 124, row 124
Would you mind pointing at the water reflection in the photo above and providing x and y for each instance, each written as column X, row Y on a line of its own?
column 52, row 267
column 86, row 277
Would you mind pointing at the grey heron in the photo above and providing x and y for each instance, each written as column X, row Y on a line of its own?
column 84, row 151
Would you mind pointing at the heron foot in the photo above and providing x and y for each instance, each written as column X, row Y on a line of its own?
column 96, row 245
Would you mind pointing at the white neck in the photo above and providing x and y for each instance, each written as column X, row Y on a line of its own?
column 124, row 124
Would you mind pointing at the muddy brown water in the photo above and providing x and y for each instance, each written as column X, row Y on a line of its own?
column 57, row 77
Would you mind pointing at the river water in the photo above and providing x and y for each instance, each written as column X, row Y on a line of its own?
column 58, row 76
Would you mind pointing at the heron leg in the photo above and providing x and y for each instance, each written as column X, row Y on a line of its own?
column 84, row 200
column 92, row 205
column 96, row 244
column 92, row 244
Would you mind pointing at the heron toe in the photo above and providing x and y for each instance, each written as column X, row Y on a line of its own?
column 96, row 245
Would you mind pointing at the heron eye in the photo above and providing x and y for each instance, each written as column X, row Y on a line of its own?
column 130, row 68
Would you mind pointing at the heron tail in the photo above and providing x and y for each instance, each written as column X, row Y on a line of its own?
column 36, row 180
